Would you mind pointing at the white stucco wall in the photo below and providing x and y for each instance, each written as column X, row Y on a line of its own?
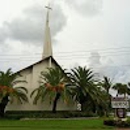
column 32, row 76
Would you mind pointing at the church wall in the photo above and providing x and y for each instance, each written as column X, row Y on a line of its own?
column 32, row 76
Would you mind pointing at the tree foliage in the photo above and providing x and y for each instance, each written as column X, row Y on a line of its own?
column 8, row 92
column 53, row 84
column 86, row 90
column 121, row 89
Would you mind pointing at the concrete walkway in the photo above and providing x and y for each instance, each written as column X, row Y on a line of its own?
column 80, row 118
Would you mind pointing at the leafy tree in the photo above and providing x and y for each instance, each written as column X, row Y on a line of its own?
column 106, row 84
column 101, row 103
column 8, row 92
column 83, row 80
column 128, row 91
column 53, row 83
column 121, row 88
column 87, row 91
column 97, row 104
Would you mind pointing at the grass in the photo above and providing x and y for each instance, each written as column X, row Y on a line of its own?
column 86, row 124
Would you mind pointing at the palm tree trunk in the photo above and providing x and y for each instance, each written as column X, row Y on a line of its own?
column 107, row 90
column 83, row 106
column 55, row 102
column 3, row 104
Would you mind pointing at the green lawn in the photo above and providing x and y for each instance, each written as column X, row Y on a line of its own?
column 88, row 124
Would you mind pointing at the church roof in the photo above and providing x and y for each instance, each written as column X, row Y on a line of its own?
column 47, row 58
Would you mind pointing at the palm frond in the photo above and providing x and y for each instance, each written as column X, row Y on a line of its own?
column 8, row 79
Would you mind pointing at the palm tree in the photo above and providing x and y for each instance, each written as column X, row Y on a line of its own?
column 128, row 92
column 100, row 103
column 8, row 92
column 121, row 88
column 83, row 80
column 106, row 84
column 53, row 83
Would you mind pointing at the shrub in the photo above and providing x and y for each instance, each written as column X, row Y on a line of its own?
column 47, row 114
column 117, row 123
column 109, row 122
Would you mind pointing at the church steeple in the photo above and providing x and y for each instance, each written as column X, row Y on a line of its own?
column 47, row 50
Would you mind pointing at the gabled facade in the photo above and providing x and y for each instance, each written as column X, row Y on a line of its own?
column 32, row 75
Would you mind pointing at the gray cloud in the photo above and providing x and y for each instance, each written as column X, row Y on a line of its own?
column 29, row 27
column 86, row 7
column 107, row 67
column 94, row 59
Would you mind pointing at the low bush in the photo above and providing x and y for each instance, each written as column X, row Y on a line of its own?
column 46, row 114
column 117, row 123
column 109, row 122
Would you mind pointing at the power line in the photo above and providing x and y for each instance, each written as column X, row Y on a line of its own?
column 82, row 56
column 106, row 50
column 112, row 54
column 98, row 50
column 97, row 67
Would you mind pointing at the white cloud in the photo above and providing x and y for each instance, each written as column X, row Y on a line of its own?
column 74, row 30
column 86, row 7
column 29, row 28
column 116, row 73
column 94, row 59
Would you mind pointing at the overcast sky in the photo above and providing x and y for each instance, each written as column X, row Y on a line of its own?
column 94, row 33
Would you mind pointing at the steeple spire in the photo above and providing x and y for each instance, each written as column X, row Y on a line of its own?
column 47, row 51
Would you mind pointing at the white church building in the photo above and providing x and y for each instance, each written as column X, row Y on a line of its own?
column 31, row 74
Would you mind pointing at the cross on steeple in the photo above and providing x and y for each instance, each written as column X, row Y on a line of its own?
column 48, row 9
column 47, row 50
